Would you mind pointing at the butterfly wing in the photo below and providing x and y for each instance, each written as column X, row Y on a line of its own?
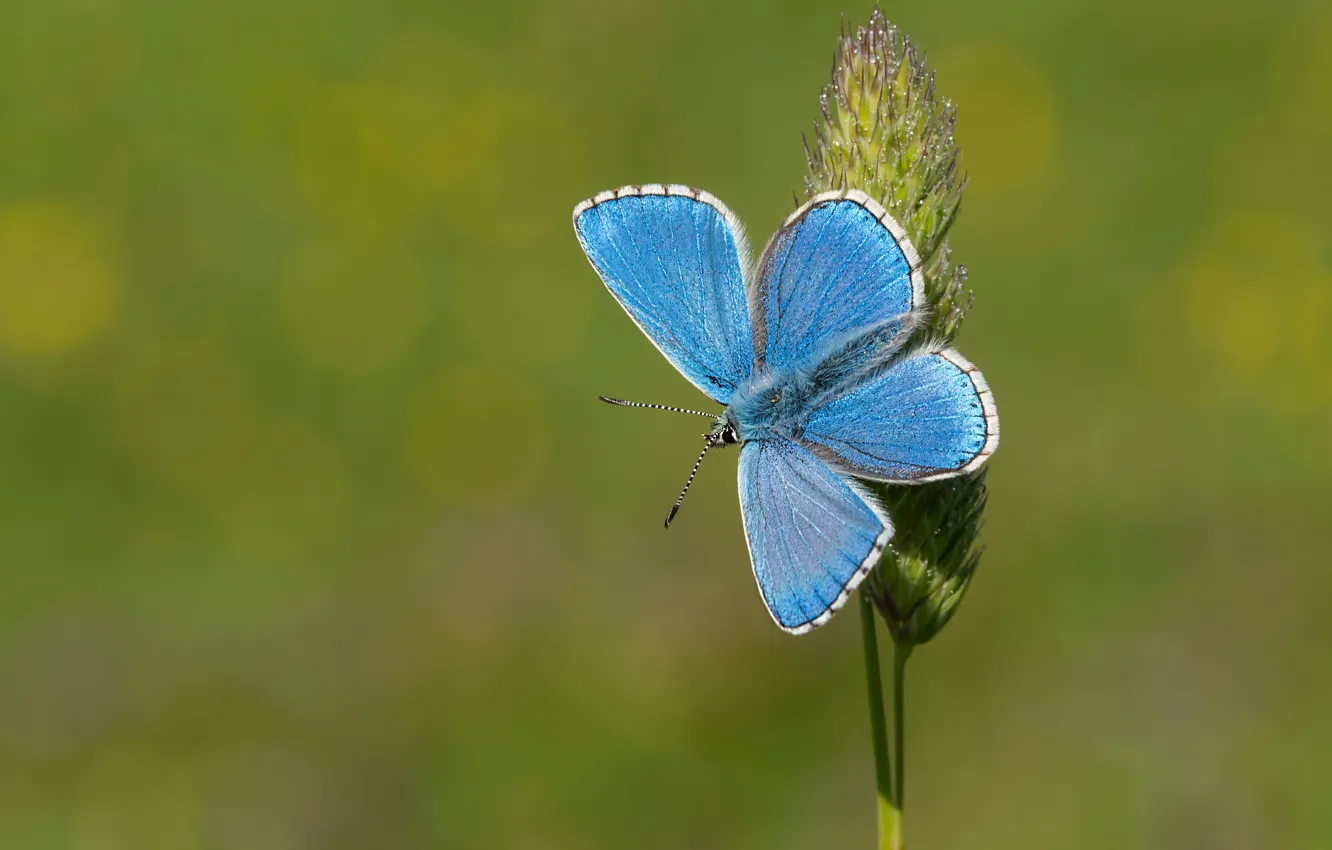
column 838, row 264
column 673, row 257
column 926, row 417
column 812, row 538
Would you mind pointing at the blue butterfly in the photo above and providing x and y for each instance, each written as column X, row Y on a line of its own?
column 808, row 352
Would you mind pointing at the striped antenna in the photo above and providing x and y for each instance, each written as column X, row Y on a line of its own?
column 676, row 507
column 622, row 403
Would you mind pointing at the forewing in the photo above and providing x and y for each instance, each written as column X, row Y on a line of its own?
column 838, row 264
column 673, row 257
column 928, row 416
column 812, row 538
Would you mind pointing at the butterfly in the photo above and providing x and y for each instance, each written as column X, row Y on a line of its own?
column 809, row 351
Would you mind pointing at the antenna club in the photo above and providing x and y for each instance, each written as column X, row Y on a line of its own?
column 710, row 441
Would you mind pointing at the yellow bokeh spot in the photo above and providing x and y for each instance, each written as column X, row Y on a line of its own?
column 367, row 154
column 1254, row 303
column 442, row 76
column 428, row 127
column 58, row 284
column 475, row 434
column 525, row 163
column 1006, row 121
column 351, row 307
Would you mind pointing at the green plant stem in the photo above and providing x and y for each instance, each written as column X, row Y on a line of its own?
column 901, row 652
column 889, row 821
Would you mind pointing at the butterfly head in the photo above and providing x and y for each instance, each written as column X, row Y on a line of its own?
column 723, row 433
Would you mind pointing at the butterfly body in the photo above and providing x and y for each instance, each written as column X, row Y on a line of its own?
column 779, row 402
column 769, row 406
column 810, row 352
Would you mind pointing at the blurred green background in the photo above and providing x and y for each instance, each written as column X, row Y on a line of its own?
column 314, row 535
